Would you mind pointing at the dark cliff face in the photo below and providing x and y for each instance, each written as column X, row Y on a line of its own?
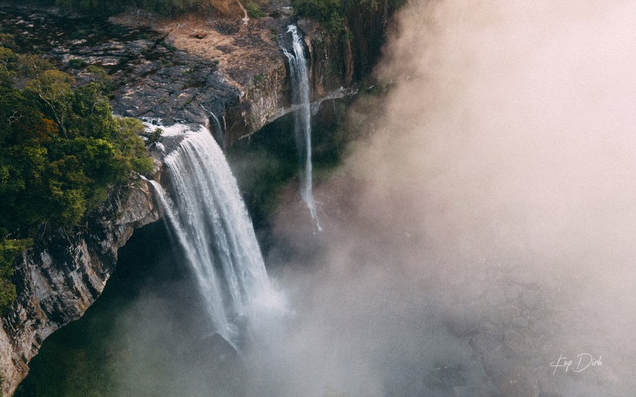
column 346, row 59
column 367, row 33
column 64, row 273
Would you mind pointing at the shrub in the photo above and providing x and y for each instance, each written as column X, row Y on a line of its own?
column 332, row 13
column 154, row 137
column 9, row 250
column 77, row 63
column 329, row 12
column 254, row 10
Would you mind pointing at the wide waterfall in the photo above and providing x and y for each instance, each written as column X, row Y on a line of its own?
column 302, row 115
column 210, row 222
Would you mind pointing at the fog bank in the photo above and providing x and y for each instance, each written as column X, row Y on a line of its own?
column 488, row 219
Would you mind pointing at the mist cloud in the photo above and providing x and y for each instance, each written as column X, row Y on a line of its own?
column 489, row 219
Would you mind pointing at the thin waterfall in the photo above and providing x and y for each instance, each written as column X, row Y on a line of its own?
column 302, row 116
column 210, row 223
column 217, row 130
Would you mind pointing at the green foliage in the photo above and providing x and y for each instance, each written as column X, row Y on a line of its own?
column 254, row 10
column 333, row 13
column 9, row 250
column 77, row 63
column 8, row 41
column 154, row 137
column 29, row 66
column 329, row 12
column 101, row 78
column 61, row 150
column 53, row 88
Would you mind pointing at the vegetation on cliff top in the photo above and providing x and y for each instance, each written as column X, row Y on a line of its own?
column 61, row 149
column 333, row 13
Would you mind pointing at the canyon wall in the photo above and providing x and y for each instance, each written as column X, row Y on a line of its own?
column 180, row 72
column 64, row 273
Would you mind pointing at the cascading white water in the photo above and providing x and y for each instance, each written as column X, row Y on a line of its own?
column 211, row 224
column 302, row 115
column 217, row 130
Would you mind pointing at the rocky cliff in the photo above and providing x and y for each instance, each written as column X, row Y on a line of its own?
column 194, row 69
column 245, row 83
column 63, row 274
column 186, row 69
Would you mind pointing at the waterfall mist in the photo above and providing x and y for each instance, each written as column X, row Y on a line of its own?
column 484, row 229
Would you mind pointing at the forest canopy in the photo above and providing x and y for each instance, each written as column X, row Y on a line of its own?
column 61, row 150
column 333, row 13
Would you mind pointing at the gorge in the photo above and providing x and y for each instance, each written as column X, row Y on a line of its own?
column 62, row 275
column 476, row 206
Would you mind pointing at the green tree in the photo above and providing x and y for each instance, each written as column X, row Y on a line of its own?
column 329, row 12
column 53, row 87
column 9, row 250
column 333, row 13
column 61, row 150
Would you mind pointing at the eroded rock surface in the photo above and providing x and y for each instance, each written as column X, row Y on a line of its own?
column 64, row 273
column 180, row 70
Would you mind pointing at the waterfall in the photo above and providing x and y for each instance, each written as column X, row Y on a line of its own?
column 217, row 130
column 302, row 116
column 210, row 222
